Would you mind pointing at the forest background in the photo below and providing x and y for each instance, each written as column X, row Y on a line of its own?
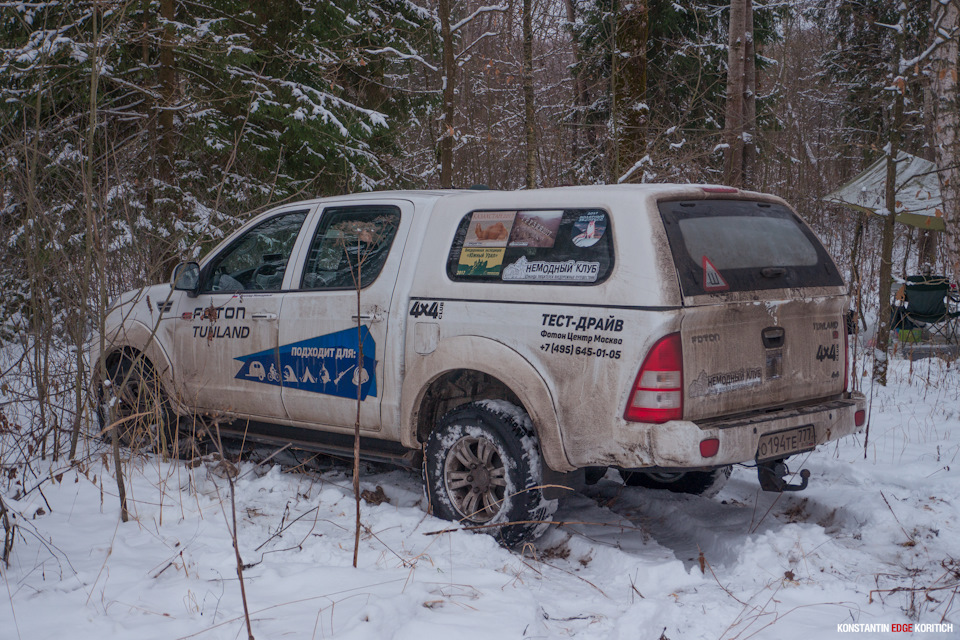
column 136, row 133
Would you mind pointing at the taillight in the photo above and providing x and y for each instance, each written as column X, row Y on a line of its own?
column 846, row 360
column 657, row 394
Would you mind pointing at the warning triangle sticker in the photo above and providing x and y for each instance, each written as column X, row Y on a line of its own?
column 712, row 280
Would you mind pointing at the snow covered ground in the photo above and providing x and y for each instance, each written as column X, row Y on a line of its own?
column 870, row 541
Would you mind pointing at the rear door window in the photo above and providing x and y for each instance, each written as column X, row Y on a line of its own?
column 350, row 243
column 533, row 246
column 738, row 245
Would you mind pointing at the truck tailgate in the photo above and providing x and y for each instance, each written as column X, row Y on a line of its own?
column 763, row 306
column 747, row 356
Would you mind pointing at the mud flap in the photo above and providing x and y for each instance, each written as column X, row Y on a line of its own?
column 772, row 476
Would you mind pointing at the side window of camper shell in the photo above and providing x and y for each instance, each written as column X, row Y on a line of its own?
column 533, row 246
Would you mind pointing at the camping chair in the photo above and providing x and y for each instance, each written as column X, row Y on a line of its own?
column 926, row 306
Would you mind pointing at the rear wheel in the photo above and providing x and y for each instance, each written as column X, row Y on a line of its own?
column 699, row 483
column 135, row 403
column 483, row 467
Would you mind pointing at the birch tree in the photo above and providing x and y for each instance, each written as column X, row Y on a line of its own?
column 946, row 124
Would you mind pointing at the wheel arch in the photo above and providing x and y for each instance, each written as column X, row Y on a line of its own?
column 467, row 368
column 133, row 339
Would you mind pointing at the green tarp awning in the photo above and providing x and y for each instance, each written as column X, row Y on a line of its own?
column 918, row 192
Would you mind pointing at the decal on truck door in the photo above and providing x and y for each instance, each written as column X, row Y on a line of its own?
column 326, row 364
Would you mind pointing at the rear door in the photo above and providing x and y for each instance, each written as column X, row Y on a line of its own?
column 764, row 306
column 334, row 325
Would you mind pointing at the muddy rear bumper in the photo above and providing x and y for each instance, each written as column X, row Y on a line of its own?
column 676, row 444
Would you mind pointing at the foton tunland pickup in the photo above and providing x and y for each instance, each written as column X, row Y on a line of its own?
column 501, row 338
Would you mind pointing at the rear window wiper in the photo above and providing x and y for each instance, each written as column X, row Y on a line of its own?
column 773, row 272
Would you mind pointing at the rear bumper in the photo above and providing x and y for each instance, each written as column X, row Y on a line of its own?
column 676, row 444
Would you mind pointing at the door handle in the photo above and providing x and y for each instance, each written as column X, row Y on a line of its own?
column 264, row 316
column 376, row 315
column 772, row 337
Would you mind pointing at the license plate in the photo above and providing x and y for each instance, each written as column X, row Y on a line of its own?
column 785, row 443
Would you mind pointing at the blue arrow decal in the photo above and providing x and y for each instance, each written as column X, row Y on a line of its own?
column 328, row 364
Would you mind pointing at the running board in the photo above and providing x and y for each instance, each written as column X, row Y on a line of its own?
column 338, row 445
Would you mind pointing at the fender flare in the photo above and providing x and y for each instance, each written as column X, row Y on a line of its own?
column 499, row 361
column 136, row 335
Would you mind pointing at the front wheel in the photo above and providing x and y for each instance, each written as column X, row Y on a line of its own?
column 698, row 483
column 135, row 403
column 483, row 466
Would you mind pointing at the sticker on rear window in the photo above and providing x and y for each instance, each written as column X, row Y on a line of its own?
column 588, row 229
column 712, row 280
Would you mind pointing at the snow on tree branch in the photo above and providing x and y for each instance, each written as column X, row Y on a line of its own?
column 481, row 10
column 404, row 56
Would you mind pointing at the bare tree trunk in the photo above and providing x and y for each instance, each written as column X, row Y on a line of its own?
column 633, row 29
column 614, row 163
column 741, row 113
column 449, row 79
column 356, row 424
column 168, row 89
column 946, row 136
column 886, row 272
column 749, row 135
column 528, row 111
column 579, row 86
column 895, row 126
column 95, row 245
column 236, row 548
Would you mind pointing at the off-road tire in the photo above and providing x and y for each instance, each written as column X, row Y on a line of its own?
column 698, row 483
column 145, row 420
column 482, row 466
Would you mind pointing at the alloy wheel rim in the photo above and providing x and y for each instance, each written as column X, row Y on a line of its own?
column 475, row 476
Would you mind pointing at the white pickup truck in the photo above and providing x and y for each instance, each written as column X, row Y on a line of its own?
column 499, row 338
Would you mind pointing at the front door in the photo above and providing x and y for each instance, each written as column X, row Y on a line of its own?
column 333, row 328
column 226, row 339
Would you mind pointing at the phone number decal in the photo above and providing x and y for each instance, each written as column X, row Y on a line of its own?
column 572, row 350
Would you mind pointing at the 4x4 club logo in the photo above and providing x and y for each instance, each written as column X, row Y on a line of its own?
column 430, row 309
column 825, row 352
column 327, row 364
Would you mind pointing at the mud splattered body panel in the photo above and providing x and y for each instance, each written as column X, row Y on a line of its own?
column 752, row 355
column 551, row 298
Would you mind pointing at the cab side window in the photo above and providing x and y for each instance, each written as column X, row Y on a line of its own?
column 350, row 247
column 257, row 260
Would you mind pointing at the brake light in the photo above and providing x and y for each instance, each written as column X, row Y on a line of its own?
column 719, row 189
column 657, row 394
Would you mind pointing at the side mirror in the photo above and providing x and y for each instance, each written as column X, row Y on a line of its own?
column 186, row 277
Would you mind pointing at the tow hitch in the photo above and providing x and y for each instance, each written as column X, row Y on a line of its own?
column 772, row 473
